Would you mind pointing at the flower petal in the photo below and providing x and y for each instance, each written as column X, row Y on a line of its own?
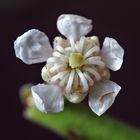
column 76, row 97
column 73, row 26
column 33, row 47
column 103, row 96
column 48, row 98
column 112, row 54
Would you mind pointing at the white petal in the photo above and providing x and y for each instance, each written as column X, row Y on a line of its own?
column 112, row 54
column 48, row 98
column 103, row 96
column 73, row 26
column 76, row 97
column 33, row 47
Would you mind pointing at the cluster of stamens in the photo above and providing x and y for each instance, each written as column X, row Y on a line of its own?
column 75, row 66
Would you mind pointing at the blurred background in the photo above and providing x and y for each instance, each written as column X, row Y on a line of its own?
column 118, row 19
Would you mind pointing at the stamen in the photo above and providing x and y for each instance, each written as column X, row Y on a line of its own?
column 70, row 81
column 93, row 72
column 57, row 54
column 83, row 80
column 93, row 58
column 60, row 75
column 57, row 67
column 71, row 40
column 80, row 45
column 69, row 50
column 60, row 49
column 72, row 43
column 95, row 61
column 64, row 80
column 53, row 60
column 91, row 82
column 91, row 51
column 75, row 83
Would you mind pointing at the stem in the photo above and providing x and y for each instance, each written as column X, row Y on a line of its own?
column 77, row 122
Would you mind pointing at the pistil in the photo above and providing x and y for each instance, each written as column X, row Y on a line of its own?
column 76, row 60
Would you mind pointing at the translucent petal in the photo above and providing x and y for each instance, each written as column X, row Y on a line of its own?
column 73, row 26
column 112, row 54
column 48, row 98
column 33, row 47
column 102, row 96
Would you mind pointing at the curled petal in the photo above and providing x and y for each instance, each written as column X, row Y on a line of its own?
column 48, row 98
column 112, row 54
column 33, row 47
column 76, row 97
column 103, row 96
column 73, row 26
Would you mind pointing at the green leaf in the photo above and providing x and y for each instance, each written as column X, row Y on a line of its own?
column 78, row 122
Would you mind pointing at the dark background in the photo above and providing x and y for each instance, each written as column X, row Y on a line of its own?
column 117, row 19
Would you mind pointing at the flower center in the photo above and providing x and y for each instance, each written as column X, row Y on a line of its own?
column 76, row 60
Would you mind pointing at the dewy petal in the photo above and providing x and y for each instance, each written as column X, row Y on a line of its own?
column 33, row 47
column 103, row 96
column 73, row 26
column 112, row 54
column 48, row 98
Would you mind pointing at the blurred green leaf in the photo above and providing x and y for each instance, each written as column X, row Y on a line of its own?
column 78, row 122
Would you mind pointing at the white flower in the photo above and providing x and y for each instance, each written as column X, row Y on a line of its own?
column 75, row 67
